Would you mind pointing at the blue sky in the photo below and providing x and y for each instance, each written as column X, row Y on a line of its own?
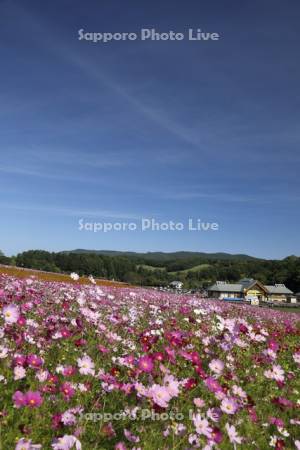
column 170, row 130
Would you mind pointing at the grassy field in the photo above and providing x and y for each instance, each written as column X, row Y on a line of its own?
column 50, row 276
column 150, row 268
column 292, row 310
column 197, row 268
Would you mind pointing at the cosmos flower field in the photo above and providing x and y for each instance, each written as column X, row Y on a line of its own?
column 92, row 368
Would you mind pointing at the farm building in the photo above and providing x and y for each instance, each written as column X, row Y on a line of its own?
column 249, row 289
column 279, row 293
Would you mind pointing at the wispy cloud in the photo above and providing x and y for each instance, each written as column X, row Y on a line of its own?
column 161, row 117
column 71, row 212
column 29, row 172
column 259, row 198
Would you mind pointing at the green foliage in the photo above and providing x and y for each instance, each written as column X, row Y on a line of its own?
column 4, row 259
column 194, row 271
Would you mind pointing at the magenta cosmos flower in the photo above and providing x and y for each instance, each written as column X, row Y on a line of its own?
column 190, row 383
column 11, row 314
column 19, row 399
column 213, row 385
column 67, row 390
column 34, row 361
column 19, row 360
column 145, row 364
column 68, row 371
column 33, row 399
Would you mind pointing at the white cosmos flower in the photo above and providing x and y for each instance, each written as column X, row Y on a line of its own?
column 19, row 373
column 74, row 276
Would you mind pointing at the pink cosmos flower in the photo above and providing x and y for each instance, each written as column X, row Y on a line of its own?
column 21, row 321
column 86, row 365
column 103, row 349
column 276, row 373
column 214, row 414
column 229, row 405
column 217, row 435
column 194, row 440
column 195, row 358
column 11, row 313
column 65, row 333
column 68, row 371
column 31, row 398
column 276, row 421
column 158, row 356
column 56, row 421
column 19, row 399
column 273, row 345
column 68, row 418
column 202, row 425
column 171, row 354
column 145, row 364
column 232, row 434
column 80, row 342
column 172, row 385
column 126, row 388
column 66, row 442
column 296, row 357
column 252, row 414
column 190, row 383
column 140, row 389
column 237, row 390
column 283, row 402
column 160, row 395
column 217, row 366
column 120, row 446
column 23, row 444
column 199, row 402
column 53, row 379
column 130, row 436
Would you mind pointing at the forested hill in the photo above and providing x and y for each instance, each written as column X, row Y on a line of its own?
column 195, row 269
column 164, row 256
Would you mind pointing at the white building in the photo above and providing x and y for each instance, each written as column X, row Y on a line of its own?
column 176, row 285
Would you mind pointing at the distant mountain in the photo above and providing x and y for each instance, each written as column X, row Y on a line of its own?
column 163, row 256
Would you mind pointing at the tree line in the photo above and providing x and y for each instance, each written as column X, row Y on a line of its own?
column 142, row 271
